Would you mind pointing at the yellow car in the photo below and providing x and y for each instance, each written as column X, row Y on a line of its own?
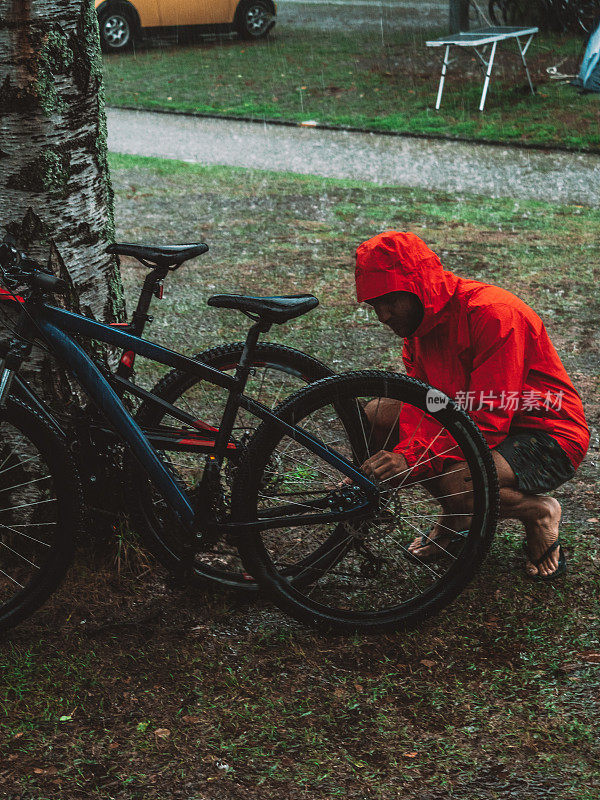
column 121, row 22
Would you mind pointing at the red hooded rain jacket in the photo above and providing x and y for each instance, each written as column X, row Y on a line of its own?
column 480, row 345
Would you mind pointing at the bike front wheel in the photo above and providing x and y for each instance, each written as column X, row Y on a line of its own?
column 371, row 581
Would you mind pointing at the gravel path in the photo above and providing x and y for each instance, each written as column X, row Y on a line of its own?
column 386, row 160
column 384, row 15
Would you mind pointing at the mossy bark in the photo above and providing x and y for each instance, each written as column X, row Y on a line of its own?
column 55, row 192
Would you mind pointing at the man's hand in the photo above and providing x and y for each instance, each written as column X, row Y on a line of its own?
column 385, row 466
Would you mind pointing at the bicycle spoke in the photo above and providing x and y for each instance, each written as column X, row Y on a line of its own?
column 10, row 578
column 21, row 463
column 28, row 505
column 19, row 485
column 25, row 535
column 20, row 555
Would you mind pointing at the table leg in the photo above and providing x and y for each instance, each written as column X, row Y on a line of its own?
column 523, row 50
column 438, row 102
column 487, row 77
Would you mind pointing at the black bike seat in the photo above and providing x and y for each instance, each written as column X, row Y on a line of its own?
column 269, row 309
column 170, row 255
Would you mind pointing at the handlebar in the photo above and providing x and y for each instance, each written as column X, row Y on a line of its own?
column 18, row 270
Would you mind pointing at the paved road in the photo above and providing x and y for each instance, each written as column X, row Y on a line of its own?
column 385, row 160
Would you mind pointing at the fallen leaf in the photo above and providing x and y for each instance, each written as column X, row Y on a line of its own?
column 162, row 733
column 594, row 519
column 191, row 719
column 427, row 663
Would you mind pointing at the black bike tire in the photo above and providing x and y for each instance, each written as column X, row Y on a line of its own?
column 68, row 491
column 588, row 18
column 169, row 388
column 257, row 456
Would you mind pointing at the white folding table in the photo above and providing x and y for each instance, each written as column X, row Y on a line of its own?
column 480, row 40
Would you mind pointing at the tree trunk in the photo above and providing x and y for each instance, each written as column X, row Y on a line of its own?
column 459, row 15
column 55, row 192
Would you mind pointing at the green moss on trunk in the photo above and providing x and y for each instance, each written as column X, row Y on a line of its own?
column 48, row 172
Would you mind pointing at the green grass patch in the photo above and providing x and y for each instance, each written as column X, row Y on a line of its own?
column 356, row 79
column 121, row 688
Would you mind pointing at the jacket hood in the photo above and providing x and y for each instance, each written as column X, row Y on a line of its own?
column 401, row 262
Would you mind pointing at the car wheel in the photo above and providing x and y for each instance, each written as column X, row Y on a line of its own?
column 116, row 30
column 254, row 19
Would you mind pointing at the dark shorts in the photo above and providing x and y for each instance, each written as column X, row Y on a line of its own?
column 538, row 461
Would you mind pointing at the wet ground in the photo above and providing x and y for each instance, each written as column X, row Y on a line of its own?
column 490, row 170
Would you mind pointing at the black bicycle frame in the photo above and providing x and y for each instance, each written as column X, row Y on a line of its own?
column 55, row 325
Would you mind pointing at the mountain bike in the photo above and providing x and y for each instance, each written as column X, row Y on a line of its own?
column 276, row 371
column 313, row 528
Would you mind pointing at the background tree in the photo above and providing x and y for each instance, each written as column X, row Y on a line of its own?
column 459, row 15
column 55, row 192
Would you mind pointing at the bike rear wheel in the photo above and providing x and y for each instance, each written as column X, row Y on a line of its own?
column 587, row 13
column 368, row 584
column 40, row 506
column 277, row 372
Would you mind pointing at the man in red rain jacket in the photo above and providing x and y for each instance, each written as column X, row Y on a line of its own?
column 488, row 350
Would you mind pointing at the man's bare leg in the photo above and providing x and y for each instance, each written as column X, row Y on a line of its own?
column 539, row 514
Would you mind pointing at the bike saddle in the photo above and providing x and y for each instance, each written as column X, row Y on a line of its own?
column 170, row 255
column 268, row 309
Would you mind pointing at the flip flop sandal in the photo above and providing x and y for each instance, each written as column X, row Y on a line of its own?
column 560, row 569
column 453, row 546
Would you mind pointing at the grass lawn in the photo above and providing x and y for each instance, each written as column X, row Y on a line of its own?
column 357, row 79
column 123, row 688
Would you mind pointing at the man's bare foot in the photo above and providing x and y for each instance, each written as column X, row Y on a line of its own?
column 439, row 538
column 541, row 533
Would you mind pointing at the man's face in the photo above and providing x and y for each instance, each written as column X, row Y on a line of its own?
column 400, row 311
